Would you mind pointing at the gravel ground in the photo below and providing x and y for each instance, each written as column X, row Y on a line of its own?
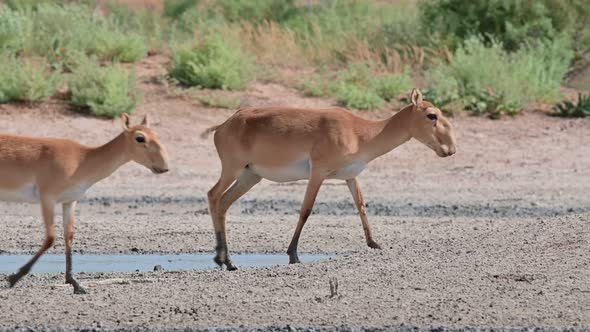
column 495, row 237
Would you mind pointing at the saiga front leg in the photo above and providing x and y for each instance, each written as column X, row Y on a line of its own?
column 68, row 223
column 359, row 201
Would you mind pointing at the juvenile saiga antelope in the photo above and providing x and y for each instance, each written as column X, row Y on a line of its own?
column 49, row 171
column 284, row 144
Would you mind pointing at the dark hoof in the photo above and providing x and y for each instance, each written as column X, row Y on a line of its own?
column 230, row 266
column 80, row 290
column 12, row 279
column 218, row 261
column 294, row 260
column 374, row 245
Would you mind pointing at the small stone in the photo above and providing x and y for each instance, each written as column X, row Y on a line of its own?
column 158, row 268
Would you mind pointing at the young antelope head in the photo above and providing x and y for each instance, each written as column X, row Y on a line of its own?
column 144, row 147
column 431, row 127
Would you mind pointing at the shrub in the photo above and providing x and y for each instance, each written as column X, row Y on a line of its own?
column 343, row 31
column 58, row 28
column 314, row 86
column 511, row 22
column 355, row 96
column 359, row 87
column 174, row 9
column 487, row 79
column 54, row 31
column 579, row 110
column 26, row 80
column 215, row 63
column 257, row 11
column 104, row 91
column 220, row 101
column 123, row 48
column 144, row 27
column 15, row 28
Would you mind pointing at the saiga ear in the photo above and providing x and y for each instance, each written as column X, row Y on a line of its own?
column 125, row 119
column 146, row 121
column 416, row 97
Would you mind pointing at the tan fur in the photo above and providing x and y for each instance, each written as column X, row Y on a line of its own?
column 333, row 140
column 51, row 168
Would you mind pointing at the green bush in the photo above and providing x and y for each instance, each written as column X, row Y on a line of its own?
column 54, row 31
column 15, row 28
column 119, row 47
column 26, row 80
column 389, row 87
column 358, row 87
column 487, row 79
column 257, row 11
column 215, row 63
column 314, row 86
column 579, row 110
column 174, row 9
column 359, row 97
column 220, row 101
column 104, row 91
column 146, row 28
column 511, row 22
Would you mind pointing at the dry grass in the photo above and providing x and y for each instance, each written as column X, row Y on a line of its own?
column 273, row 44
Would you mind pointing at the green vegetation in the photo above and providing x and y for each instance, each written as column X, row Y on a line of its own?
column 512, row 23
column 580, row 109
column 359, row 87
column 103, row 91
column 214, row 63
column 29, row 80
column 220, row 101
column 489, row 80
column 486, row 57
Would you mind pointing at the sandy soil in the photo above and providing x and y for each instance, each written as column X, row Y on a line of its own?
column 496, row 236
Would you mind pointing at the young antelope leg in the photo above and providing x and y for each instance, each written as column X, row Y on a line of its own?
column 68, row 222
column 47, row 209
column 357, row 195
column 311, row 192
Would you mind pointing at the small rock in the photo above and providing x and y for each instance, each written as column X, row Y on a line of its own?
column 158, row 268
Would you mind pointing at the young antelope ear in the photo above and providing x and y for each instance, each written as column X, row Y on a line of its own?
column 125, row 119
column 145, row 121
column 416, row 97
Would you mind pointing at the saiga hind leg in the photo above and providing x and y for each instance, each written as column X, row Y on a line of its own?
column 68, row 223
column 359, row 201
column 313, row 186
column 47, row 209
column 243, row 184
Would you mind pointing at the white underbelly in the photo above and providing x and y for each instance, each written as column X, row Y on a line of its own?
column 301, row 170
column 30, row 194
column 349, row 171
column 26, row 194
column 73, row 194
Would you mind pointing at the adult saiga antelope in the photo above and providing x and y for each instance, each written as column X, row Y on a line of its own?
column 284, row 144
column 51, row 171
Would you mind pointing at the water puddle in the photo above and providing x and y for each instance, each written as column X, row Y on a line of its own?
column 55, row 263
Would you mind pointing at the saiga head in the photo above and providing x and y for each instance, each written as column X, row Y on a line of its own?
column 144, row 146
column 431, row 127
